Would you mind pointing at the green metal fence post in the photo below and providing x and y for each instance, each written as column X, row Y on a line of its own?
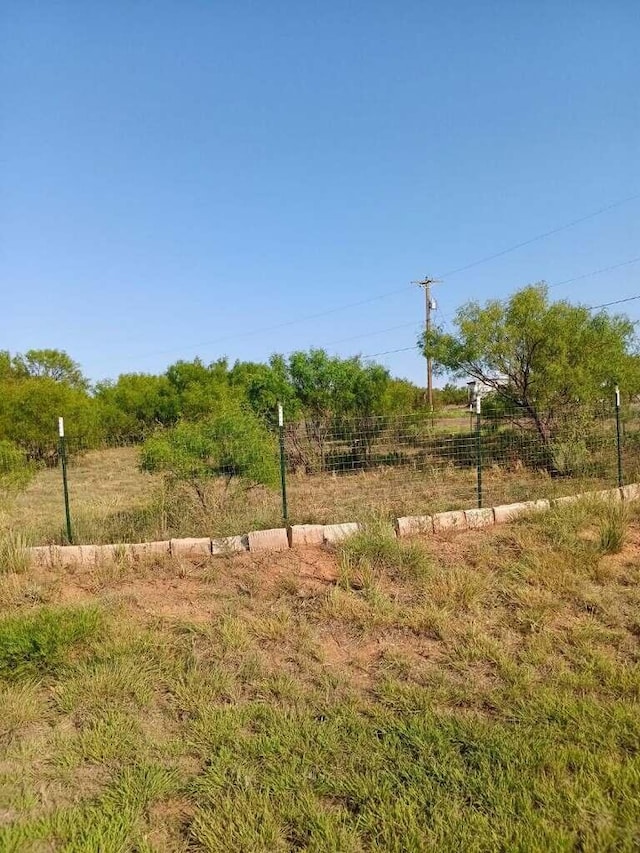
column 283, row 465
column 65, row 485
column 479, row 449
column 618, row 441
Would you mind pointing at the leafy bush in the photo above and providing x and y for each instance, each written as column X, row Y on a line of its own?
column 15, row 469
column 230, row 443
column 570, row 456
column 29, row 411
column 136, row 404
column 450, row 395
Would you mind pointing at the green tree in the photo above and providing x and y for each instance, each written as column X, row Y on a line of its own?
column 7, row 370
column 402, row 398
column 29, row 411
column 50, row 364
column 546, row 359
column 451, row 395
column 328, row 386
column 339, row 398
column 134, row 405
column 16, row 470
column 264, row 386
column 183, row 374
column 200, row 388
column 232, row 443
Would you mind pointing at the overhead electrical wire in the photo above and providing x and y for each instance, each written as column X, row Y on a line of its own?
column 370, row 334
column 389, row 351
column 615, row 302
column 595, row 272
column 395, row 291
column 542, row 236
column 578, row 278
column 447, row 319
column 285, row 324
column 363, row 335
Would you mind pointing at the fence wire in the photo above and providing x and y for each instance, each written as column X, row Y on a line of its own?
column 335, row 469
column 417, row 464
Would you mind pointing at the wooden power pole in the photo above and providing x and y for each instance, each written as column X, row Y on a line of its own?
column 429, row 305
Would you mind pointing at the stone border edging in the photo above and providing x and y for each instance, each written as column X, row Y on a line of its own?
column 304, row 535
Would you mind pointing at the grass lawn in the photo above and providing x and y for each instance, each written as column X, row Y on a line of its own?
column 473, row 692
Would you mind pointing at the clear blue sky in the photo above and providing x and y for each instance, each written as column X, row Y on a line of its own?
column 176, row 177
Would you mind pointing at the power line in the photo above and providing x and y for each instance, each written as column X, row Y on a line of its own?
column 390, row 351
column 445, row 317
column 595, row 272
column 448, row 319
column 542, row 236
column 579, row 277
column 363, row 335
column 385, row 294
column 416, row 346
column 615, row 302
column 566, row 281
column 370, row 334
column 283, row 325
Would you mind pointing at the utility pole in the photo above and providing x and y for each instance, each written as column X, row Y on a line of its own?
column 430, row 304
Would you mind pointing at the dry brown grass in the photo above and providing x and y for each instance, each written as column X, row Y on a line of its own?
column 112, row 501
column 101, row 483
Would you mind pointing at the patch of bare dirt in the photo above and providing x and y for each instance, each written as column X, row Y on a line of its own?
column 180, row 590
column 343, row 653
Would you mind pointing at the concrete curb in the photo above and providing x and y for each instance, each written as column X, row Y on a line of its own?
column 335, row 533
column 229, row 545
column 147, row 549
column 631, row 493
column 507, row 512
column 190, row 548
column 479, row 518
column 453, row 520
column 613, row 495
column 307, row 534
column 112, row 553
column 570, row 499
column 268, row 540
column 301, row 535
column 414, row 525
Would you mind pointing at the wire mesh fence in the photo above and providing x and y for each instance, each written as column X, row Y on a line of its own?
column 408, row 465
column 113, row 498
column 323, row 470
column 347, row 468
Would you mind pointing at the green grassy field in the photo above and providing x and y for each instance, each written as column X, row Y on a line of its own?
column 473, row 692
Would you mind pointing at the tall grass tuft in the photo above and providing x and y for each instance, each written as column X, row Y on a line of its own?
column 614, row 525
column 376, row 548
column 14, row 552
